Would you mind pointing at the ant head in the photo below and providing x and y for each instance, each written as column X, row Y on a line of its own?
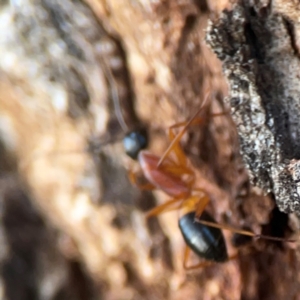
column 134, row 142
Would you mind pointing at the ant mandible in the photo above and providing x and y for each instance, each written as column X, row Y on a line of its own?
column 174, row 175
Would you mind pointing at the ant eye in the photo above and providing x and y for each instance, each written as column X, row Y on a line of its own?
column 134, row 142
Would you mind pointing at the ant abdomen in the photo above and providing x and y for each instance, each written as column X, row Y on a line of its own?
column 207, row 242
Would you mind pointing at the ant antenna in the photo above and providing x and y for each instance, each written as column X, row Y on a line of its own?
column 244, row 232
column 183, row 130
column 115, row 97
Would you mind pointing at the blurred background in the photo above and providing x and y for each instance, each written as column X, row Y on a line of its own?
column 72, row 225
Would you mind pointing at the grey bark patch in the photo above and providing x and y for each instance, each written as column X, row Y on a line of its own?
column 257, row 48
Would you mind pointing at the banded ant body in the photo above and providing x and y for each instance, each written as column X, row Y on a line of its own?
column 173, row 174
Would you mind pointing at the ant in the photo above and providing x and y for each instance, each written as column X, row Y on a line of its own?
column 174, row 175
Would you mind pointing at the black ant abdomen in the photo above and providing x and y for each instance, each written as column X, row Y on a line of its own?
column 207, row 242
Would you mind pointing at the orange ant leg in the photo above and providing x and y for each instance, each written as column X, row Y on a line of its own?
column 175, row 139
column 198, row 121
column 176, row 169
column 187, row 204
column 180, row 167
column 196, row 204
column 133, row 179
column 174, row 146
column 172, row 167
column 168, row 206
column 202, row 264
column 202, row 203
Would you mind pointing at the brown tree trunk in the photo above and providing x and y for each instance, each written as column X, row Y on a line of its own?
column 65, row 67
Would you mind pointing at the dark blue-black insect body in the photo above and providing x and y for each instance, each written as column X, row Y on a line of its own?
column 207, row 242
column 134, row 142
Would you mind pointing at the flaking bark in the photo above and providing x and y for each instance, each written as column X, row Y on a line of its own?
column 258, row 45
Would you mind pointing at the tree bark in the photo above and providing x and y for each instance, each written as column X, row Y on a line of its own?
column 65, row 68
column 258, row 44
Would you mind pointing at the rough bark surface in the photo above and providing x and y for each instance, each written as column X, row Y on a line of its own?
column 258, row 44
column 69, row 70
